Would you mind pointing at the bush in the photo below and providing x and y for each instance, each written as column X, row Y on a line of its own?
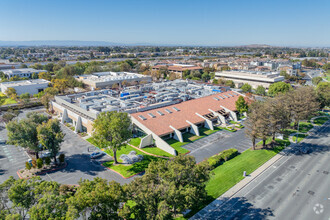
column 34, row 163
column 47, row 160
column 28, row 166
column 40, row 163
column 223, row 156
column 61, row 158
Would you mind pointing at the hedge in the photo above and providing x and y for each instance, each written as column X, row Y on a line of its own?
column 223, row 156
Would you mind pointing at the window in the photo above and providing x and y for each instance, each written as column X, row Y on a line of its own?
column 176, row 109
column 142, row 117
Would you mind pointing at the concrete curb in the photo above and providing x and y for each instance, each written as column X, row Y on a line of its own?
column 47, row 171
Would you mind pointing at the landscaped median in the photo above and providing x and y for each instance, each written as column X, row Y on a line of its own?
column 127, row 170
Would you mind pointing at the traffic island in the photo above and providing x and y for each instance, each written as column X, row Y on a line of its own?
column 28, row 173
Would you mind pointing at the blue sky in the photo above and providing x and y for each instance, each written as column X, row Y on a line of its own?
column 183, row 22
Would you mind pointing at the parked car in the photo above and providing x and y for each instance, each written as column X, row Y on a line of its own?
column 3, row 141
column 45, row 154
column 96, row 155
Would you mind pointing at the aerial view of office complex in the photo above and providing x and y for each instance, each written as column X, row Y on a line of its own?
column 164, row 110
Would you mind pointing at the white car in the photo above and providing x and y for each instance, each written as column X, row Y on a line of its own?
column 96, row 155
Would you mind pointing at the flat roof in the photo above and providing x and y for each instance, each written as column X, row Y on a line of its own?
column 178, row 114
column 23, row 70
column 25, row 82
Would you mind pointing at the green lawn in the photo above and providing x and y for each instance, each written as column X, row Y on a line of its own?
column 7, row 100
column 300, row 137
column 177, row 145
column 304, row 127
column 123, row 169
column 157, row 151
column 129, row 170
column 231, row 172
column 230, row 129
column 135, row 142
column 321, row 120
column 205, row 131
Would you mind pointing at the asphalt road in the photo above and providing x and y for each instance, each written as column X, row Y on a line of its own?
column 80, row 166
column 297, row 186
column 217, row 142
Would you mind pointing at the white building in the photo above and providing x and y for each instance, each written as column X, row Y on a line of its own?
column 107, row 79
column 253, row 78
column 25, row 72
column 33, row 86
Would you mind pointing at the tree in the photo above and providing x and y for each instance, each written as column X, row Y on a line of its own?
column 51, row 136
column 246, row 88
column 25, row 97
column 301, row 103
column 45, row 100
column 316, row 80
column 261, row 90
column 125, row 67
column 112, row 129
column 230, row 83
column 279, row 87
column 24, row 132
column 97, row 198
column 7, row 117
column 51, row 91
column 163, row 192
column 241, row 105
column 251, row 124
column 45, row 75
column 34, row 197
column 60, row 84
column 11, row 92
column 323, row 93
column 278, row 115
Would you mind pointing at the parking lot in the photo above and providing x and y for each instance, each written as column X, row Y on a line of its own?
column 217, row 142
column 76, row 150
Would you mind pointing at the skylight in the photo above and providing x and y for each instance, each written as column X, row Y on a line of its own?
column 142, row 117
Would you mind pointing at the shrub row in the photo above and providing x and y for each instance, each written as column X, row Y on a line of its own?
column 223, row 156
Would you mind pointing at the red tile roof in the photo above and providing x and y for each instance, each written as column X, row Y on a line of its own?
column 160, row 124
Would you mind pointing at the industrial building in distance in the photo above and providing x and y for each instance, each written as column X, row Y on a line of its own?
column 178, row 69
column 102, row 80
column 179, row 101
column 33, row 86
column 24, row 72
column 253, row 78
